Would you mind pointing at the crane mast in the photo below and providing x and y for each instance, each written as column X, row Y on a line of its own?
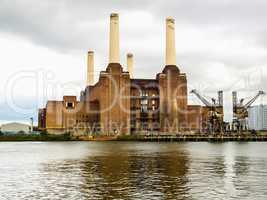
column 214, row 119
column 249, row 103
column 241, row 111
column 201, row 98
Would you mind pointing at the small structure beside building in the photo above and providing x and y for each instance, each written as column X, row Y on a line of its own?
column 15, row 127
column 257, row 117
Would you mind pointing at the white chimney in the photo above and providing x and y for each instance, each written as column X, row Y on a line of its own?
column 170, row 42
column 90, row 68
column 130, row 64
column 114, row 43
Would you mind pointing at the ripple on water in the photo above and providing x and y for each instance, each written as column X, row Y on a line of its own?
column 133, row 171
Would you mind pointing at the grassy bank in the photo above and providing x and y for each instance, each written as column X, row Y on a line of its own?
column 35, row 137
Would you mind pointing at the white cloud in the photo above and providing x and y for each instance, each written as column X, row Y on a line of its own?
column 218, row 42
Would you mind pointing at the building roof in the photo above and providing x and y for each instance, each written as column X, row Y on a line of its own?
column 14, row 124
column 147, row 83
column 15, row 127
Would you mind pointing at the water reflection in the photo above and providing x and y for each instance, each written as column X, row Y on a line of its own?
column 131, row 175
column 133, row 171
column 241, row 166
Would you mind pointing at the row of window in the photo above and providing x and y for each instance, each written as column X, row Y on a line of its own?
column 144, row 93
column 144, row 108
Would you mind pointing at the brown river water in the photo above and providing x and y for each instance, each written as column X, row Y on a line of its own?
column 133, row 170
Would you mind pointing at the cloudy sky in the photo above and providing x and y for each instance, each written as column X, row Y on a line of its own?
column 221, row 45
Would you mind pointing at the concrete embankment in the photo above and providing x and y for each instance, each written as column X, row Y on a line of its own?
column 144, row 138
column 194, row 138
column 177, row 138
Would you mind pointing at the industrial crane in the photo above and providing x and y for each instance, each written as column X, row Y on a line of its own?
column 240, row 111
column 214, row 119
column 202, row 99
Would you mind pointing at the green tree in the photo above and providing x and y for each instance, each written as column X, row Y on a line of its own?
column 44, row 133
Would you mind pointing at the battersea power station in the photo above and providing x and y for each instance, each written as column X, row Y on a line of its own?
column 120, row 103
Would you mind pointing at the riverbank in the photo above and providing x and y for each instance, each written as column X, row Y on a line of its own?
column 195, row 138
column 144, row 138
column 35, row 137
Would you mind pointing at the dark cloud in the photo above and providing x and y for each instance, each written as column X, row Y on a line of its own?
column 65, row 25
column 69, row 24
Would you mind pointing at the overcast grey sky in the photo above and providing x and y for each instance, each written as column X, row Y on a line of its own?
column 221, row 44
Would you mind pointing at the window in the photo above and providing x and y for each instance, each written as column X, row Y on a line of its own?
column 144, row 102
column 144, row 93
column 143, row 108
column 70, row 105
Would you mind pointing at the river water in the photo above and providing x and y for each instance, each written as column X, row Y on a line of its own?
column 133, row 170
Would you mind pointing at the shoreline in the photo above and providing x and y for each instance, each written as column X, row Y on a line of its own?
column 134, row 138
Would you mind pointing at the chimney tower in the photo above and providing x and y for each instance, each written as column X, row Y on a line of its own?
column 170, row 42
column 130, row 64
column 90, row 68
column 220, row 98
column 114, row 43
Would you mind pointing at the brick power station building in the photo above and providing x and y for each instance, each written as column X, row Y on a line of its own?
column 118, row 103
